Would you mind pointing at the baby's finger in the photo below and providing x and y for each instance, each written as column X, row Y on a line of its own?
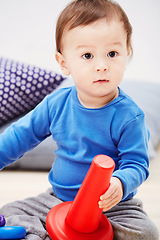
column 107, row 204
column 108, row 194
column 111, row 205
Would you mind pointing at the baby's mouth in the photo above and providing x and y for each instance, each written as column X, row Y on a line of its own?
column 101, row 81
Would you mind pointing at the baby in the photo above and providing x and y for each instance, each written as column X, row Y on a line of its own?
column 93, row 117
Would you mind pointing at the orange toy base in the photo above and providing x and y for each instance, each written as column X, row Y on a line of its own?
column 59, row 229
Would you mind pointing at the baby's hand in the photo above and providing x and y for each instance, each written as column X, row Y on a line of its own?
column 112, row 196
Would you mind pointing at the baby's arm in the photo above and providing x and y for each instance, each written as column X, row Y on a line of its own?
column 112, row 196
column 24, row 135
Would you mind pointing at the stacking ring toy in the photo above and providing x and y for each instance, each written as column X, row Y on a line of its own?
column 82, row 219
column 15, row 232
column 2, row 221
column 10, row 232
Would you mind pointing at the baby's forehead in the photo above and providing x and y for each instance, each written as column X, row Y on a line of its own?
column 92, row 34
column 99, row 27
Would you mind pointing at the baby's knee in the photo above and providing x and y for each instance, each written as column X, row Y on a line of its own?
column 145, row 231
column 149, row 232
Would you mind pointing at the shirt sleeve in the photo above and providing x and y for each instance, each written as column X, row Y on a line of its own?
column 133, row 155
column 24, row 134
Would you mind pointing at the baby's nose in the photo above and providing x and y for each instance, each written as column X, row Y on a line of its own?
column 102, row 68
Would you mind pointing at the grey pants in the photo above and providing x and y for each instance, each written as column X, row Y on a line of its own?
column 128, row 219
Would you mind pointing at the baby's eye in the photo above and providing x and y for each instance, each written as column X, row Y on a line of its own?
column 87, row 56
column 112, row 54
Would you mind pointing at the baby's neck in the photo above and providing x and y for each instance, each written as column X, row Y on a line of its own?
column 93, row 102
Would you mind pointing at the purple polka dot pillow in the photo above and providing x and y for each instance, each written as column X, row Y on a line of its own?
column 22, row 87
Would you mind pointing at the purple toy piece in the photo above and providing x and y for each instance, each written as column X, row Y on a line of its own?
column 2, row 221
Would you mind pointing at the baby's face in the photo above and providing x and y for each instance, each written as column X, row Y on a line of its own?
column 96, row 56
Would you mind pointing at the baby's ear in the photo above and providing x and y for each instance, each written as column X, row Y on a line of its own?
column 130, row 52
column 62, row 62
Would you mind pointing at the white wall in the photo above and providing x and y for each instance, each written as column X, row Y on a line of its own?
column 27, row 34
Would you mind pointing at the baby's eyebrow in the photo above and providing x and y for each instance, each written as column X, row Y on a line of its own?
column 117, row 43
column 84, row 46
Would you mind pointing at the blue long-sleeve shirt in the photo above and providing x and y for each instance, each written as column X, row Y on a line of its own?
column 117, row 130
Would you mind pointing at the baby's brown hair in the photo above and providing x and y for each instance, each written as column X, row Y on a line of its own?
column 84, row 12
